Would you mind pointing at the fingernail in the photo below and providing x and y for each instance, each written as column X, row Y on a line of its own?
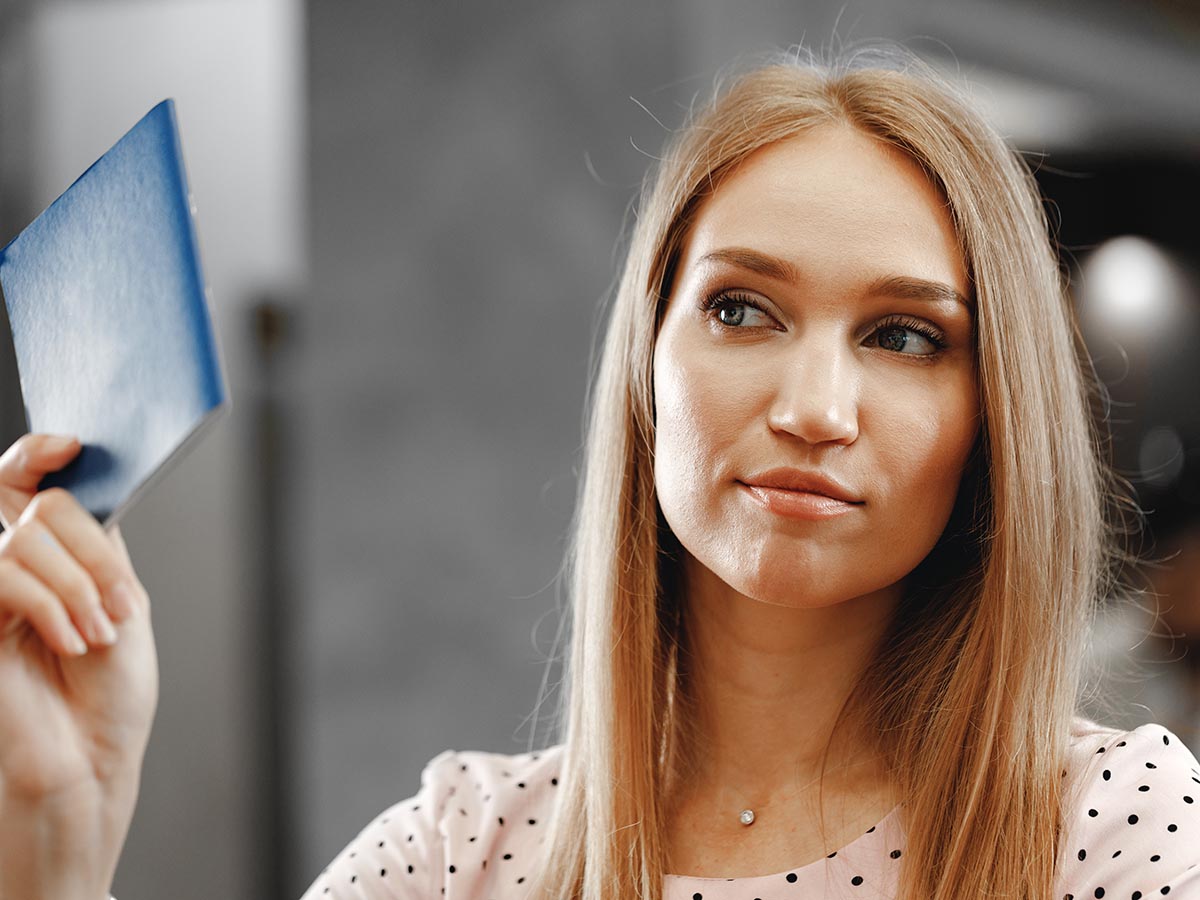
column 121, row 600
column 76, row 645
column 60, row 442
column 101, row 628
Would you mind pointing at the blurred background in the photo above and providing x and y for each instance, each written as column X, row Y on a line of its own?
column 410, row 213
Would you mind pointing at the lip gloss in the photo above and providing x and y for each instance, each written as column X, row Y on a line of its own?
column 799, row 504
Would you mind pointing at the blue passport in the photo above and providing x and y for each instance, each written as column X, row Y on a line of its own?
column 110, row 320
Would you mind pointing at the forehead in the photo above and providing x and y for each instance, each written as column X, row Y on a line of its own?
column 838, row 204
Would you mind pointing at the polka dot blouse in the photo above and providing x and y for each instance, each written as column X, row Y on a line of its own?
column 477, row 827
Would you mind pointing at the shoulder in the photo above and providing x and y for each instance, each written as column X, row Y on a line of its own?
column 478, row 818
column 495, row 774
column 1131, row 818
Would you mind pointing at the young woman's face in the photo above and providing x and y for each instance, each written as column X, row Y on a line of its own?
column 817, row 342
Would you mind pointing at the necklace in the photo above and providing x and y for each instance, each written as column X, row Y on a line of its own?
column 746, row 816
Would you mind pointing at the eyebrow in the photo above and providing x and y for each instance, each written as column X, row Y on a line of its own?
column 904, row 287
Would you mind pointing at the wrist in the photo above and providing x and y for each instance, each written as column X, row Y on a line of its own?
column 63, row 847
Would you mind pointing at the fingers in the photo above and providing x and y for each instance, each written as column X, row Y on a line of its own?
column 82, row 540
column 63, row 565
column 25, row 464
column 25, row 598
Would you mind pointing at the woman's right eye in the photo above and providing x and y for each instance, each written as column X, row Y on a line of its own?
column 734, row 311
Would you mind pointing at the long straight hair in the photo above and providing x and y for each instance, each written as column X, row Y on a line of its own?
column 973, row 690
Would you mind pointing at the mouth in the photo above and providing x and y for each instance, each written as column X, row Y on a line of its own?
column 799, row 481
column 798, row 504
column 800, row 494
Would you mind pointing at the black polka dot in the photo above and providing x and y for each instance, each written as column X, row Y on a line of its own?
column 1099, row 892
column 697, row 897
column 895, row 854
column 791, row 877
column 1136, row 895
column 1172, row 828
column 1155, row 858
column 410, row 870
column 1166, row 889
column 382, row 873
column 1082, row 854
column 856, row 880
column 452, row 870
column 1187, row 799
column 507, row 856
column 1106, row 774
column 1133, row 819
column 1093, row 813
column 1143, row 788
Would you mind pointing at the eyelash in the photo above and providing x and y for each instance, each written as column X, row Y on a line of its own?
column 715, row 303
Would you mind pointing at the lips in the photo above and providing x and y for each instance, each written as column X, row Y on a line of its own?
column 810, row 482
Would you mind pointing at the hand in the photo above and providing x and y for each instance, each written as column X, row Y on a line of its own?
column 78, row 683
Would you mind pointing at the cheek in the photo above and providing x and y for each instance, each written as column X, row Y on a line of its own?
column 698, row 414
column 922, row 455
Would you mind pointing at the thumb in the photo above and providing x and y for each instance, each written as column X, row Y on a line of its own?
column 25, row 464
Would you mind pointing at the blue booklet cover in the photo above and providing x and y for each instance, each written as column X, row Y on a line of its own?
column 110, row 321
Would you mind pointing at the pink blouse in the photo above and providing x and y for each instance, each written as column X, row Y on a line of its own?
column 476, row 829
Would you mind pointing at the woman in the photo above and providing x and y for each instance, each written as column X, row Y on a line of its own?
column 842, row 525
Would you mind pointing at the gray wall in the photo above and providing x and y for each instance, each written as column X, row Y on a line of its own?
column 471, row 174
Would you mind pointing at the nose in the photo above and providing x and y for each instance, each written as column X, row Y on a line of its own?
column 816, row 396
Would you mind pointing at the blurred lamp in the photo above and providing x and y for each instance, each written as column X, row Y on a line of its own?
column 1130, row 287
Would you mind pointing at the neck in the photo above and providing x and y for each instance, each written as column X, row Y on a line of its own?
column 767, row 685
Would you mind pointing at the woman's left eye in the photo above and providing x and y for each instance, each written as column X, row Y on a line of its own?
column 908, row 338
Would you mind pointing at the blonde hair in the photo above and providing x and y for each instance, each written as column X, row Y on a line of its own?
column 974, row 689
